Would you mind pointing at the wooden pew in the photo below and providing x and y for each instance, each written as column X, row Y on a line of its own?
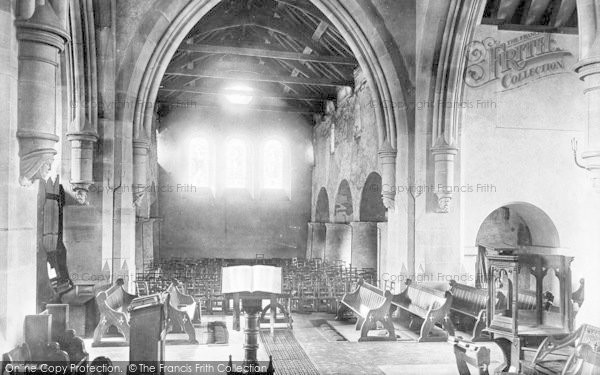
column 470, row 302
column 569, row 354
column 113, row 304
column 371, row 305
column 469, row 354
column 430, row 305
column 182, row 310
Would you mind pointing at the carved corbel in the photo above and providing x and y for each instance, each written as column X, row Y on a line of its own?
column 42, row 36
column 387, row 159
column 140, row 169
column 82, row 160
column 443, row 156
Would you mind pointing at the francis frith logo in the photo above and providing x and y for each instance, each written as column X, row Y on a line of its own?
column 514, row 63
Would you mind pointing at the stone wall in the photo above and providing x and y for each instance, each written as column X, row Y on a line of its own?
column 232, row 223
column 354, row 156
column 18, row 205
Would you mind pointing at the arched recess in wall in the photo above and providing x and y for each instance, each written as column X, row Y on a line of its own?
column 371, row 206
column 148, row 55
column 343, row 210
column 322, row 207
column 518, row 225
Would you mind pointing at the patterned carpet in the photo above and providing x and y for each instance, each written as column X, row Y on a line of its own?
column 289, row 357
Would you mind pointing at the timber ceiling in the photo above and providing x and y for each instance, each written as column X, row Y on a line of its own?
column 557, row 16
column 286, row 51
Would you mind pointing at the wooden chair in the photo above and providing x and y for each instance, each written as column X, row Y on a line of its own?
column 567, row 355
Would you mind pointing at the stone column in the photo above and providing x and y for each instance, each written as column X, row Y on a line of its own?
column 443, row 156
column 364, row 244
column 338, row 242
column 82, row 160
column 588, row 70
column 42, row 37
column 387, row 159
column 316, row 240
column 140, row 168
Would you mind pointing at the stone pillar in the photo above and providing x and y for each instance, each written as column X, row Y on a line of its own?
column 364, row 244
column 588, row 70
column 144, row 242
column 316, row 240
column 82, row 160
column 387, row 159
column 338, row 242
column 42, row 37
column 140, row 169
column 443, row 156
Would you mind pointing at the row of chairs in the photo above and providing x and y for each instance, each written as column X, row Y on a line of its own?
column 311, row 284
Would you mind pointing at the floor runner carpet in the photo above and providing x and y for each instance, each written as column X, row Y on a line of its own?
column 288, row 356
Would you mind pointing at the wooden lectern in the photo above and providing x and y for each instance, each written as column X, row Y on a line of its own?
column 251, row 285
column 148, row 321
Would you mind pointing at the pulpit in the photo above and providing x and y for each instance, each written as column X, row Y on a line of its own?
column 148, row 321
column 529, row 299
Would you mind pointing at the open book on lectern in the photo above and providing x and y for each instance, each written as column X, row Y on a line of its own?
column 259, row 278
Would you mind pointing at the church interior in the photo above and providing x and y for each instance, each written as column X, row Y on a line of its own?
column 300, row 186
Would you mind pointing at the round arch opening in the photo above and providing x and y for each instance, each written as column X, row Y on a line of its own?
column 344, row 210
column 322, row 207
column 517, row 225
column 372, row 208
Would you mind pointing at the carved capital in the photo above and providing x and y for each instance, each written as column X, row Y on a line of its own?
column 588, row 71
column 36, row 152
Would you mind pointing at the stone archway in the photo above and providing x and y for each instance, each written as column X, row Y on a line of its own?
column 518, row 224
column 322, row 207
column 371, row 207
column 369, row 234
column 164, row 27
column 317, row 230
column 521, row 226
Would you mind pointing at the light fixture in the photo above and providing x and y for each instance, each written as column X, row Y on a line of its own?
column 239, row 94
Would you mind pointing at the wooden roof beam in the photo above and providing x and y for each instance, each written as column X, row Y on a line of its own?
column 244, row 76
column 565, row 12
column 536, row 11
column 268, row 53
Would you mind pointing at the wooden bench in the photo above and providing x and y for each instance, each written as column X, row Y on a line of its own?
column 430, row 305
column 573, row 354
column 468, row 354
column 182, row 310
column 470, row 302
column 371, row 305
column 113, row 304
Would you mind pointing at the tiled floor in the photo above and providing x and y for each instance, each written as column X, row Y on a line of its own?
column 405, row 356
